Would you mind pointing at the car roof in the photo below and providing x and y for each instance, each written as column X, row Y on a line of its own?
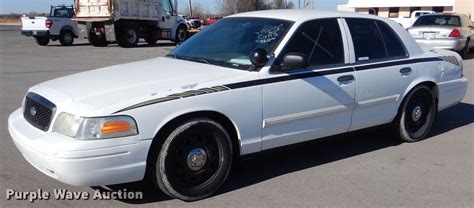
column 303, row 14
column 445, row 14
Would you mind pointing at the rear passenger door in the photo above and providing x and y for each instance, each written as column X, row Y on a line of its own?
column 383, row 71
column 314, row 102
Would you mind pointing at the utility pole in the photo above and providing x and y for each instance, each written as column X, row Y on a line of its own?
column 190, row 9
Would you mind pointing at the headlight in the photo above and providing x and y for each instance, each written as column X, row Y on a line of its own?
column 95, row 128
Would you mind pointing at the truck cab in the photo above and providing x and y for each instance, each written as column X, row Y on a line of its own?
column 57, row 26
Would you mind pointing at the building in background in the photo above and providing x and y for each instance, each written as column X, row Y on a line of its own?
column 403, row 8
column 345, row 8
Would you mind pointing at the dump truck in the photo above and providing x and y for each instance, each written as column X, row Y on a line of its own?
column 127, row 21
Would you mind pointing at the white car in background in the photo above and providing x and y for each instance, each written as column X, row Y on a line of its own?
column 444, row 31
column 265, row 79
column 57, row 26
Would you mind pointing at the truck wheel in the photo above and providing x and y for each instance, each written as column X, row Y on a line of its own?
column 181, row 34
column 66, row 38
column 416, row 115
column 127, row 37
column 151, row 41
column 465, row 50
column 194, row 160
column 97, row 40
column 42, row 40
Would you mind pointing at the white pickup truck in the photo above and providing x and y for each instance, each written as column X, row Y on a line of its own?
column 407, row 22
column 57, row 26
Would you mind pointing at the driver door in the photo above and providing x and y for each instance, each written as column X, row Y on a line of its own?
column 305, row 104
column 168, row 18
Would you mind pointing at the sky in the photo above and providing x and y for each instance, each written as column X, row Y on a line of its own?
column 26, row 6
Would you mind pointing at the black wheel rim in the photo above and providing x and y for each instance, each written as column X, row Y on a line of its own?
column 418, row 112
column 181, row 175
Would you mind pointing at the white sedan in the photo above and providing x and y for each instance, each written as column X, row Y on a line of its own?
column 250, row 82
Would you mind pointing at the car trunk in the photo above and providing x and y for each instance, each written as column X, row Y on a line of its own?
column 431, row 32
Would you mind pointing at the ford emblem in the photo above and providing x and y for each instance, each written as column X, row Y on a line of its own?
column 33, row 111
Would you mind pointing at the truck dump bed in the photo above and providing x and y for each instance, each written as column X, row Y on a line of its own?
column 93, row 10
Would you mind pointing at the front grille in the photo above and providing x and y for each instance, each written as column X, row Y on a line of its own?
column 38, row 111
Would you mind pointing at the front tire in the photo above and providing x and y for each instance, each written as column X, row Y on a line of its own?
column 416, row 115
column 42, row 41
column 181, row 34
column 194, row 160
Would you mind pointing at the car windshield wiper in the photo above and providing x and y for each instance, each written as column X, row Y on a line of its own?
column 171, row 56
column 203, row 60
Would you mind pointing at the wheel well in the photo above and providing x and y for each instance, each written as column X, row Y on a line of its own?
column 429, row 84
column 171, row 125
column 70, row 29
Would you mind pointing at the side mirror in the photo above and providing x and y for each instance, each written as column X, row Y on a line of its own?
column 293, row 61
column 259, row 57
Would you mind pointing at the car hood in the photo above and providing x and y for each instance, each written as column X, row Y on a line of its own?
column 133, row 82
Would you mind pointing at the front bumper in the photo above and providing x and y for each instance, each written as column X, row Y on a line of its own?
column 35, row 32
column 448, row 44
column 81, row 163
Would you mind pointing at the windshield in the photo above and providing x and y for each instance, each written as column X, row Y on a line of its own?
column 438, row 20
column 229, row 42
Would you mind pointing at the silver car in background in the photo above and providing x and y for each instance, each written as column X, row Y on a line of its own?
column 447, row 31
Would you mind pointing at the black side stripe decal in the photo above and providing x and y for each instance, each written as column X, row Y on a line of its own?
column 287, row 78
column 328, row 72
column 394, row 63
column 251, row 83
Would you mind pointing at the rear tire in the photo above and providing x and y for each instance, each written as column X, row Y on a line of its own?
column 66, row 38
column 416, row 116
column 465, row 50
column 127, row 37
column 97, row 40
column 194, row 160
column 151, row 41
column 42, row 40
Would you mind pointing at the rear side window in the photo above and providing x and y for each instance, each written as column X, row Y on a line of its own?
column 438, row 20
column 374, row 40
column 320, row 40
column 395, row 47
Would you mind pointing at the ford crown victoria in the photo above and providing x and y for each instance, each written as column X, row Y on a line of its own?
column 264, row 80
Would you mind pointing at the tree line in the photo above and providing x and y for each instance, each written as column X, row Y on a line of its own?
column 228, row 7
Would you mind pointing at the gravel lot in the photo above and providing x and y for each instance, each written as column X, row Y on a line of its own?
column 361, row 169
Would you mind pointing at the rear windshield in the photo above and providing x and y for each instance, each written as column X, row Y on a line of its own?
column 440, row 20
column 63, row 12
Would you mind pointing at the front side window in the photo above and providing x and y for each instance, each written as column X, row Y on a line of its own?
column 229, row 41
column 320, row 41
column 374, row 40
column 167, row 6
column 438, row 20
